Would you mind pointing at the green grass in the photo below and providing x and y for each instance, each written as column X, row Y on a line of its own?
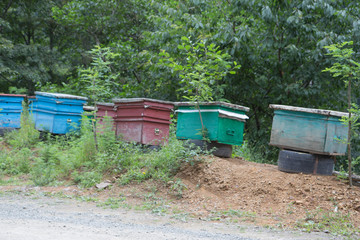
column 114, row 203
column 183, row 217
column 13, row 180
column 232, row 216
column 75, row 158
column 336, row 223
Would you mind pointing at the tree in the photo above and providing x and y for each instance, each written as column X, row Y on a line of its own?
column 201, row 67
column 279, row 45
column 100, row 80
column 28, row 56
column 348, row 70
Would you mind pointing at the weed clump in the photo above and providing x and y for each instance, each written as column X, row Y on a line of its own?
column 27, row 136
column 336, row 223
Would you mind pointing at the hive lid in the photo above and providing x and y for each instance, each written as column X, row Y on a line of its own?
column 309, row 110
column 89, row 108
column 224, row 104
column 61, row 95
column 131, row 100
column 105, row 104
column 12, row 95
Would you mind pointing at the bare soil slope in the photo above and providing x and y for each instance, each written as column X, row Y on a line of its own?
column 273, row 195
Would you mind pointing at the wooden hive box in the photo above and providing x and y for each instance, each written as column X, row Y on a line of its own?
column 56, row 112
column 10, row 113
column 143, row 120
column 309, row 130
column 223, row 121
column 105, row 109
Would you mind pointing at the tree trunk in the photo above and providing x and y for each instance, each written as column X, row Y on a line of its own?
column 349, row 133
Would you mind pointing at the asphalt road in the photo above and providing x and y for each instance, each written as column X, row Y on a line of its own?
column 37, row 218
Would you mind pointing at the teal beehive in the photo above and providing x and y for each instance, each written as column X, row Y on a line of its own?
column 309, row 130
column 224, row 122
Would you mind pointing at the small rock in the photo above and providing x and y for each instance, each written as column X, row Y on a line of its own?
column 103, row 185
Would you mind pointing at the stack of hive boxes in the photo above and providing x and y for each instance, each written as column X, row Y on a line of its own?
column 57, row 113
column 11, row 108
column 143, row 120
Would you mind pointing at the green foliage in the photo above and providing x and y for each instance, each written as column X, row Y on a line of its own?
column 74, row 158
column 250, row 153
column 44, row 170
column 27, row 135
column 348, row 70
column 345, row 66
column 162, row 164
column 28, row 36
column 16, row 161
column 106, row 139
column 355, row 138
column 279, row 44
column 114, row 203
column 87, row 179
column 201, row 67
column 233, row 216
column 178, row 187
column 100, row 79
column 83, row 148
column 335, row 222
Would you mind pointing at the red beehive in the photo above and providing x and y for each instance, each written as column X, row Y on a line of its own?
column 105, row 109
column 143, row 120
column 102, row 110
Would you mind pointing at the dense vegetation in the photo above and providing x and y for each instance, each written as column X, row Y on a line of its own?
column 46, row 159
column 60, row 45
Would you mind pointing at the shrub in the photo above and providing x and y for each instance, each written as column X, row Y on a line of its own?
column 27, row 135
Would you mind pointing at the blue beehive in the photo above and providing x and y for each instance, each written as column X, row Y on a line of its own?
column 11, row 107
column 57, row 113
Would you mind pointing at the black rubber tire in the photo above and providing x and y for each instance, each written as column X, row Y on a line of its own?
column 197, row 143
column 325, row 165
column 220, row 149
column 298, row 162
column 154, row 147
column 149, row 148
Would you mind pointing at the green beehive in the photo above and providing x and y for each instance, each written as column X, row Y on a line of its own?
column 224, row 121
column 309, row 130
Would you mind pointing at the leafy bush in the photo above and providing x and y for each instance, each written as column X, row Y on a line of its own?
column 162, row 164
column 44, row 170
column 74, row 157
column 27, row 135
column 251, row 153
column 15, row 162
column 87, row 179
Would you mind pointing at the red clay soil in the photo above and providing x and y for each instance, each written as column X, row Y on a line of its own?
column 273, row 195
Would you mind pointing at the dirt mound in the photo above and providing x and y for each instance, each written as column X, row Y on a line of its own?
column 260, row 188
